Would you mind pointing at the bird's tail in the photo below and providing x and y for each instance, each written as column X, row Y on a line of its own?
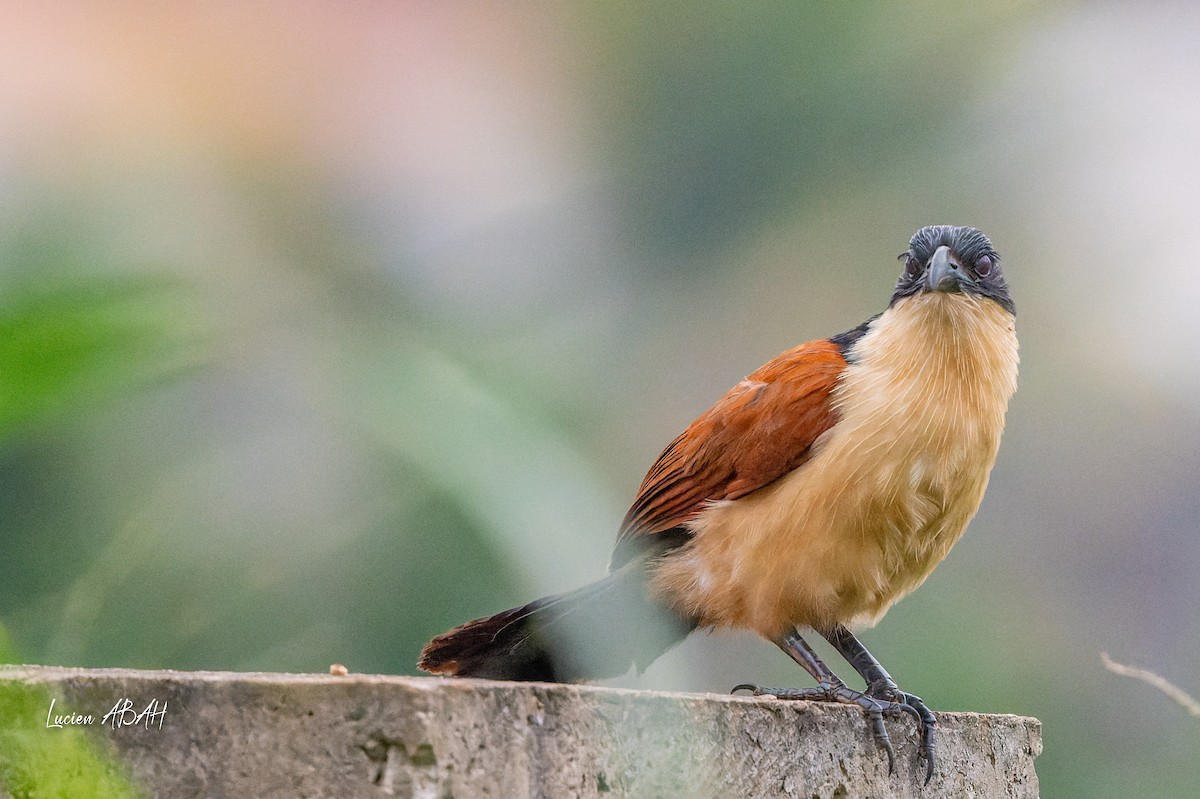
column 593, row 632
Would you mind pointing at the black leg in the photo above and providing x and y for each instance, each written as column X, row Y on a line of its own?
column 882, row 687
column 830, row 688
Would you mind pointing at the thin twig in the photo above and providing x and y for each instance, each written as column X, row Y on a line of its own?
column 1150, row 678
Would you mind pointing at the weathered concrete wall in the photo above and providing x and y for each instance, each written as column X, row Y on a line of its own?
column 284, row 735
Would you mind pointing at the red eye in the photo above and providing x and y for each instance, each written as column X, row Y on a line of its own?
column 983, row 266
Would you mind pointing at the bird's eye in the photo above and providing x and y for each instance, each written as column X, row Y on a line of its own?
column 983, row 265
column 912, row 267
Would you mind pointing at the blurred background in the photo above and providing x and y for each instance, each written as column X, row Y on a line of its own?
column 325, row 327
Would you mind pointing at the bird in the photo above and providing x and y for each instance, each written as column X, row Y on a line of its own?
column 812, row 496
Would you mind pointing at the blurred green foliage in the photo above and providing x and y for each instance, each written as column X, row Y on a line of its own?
column 63, row 350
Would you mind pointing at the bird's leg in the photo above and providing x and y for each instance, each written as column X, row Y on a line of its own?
column 830, row 688
column 881, row 687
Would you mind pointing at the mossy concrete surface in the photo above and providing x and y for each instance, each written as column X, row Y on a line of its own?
column 294, row 735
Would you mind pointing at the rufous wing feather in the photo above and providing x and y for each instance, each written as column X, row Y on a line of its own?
column 763, row 428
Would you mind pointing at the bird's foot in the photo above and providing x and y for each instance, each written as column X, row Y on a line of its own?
column 877, row 702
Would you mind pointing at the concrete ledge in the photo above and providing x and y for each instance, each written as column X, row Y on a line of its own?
column 286, row 735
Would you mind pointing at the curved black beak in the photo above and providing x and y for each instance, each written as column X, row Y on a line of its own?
column 944, row 273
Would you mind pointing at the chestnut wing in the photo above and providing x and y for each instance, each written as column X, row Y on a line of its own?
column 763, row 428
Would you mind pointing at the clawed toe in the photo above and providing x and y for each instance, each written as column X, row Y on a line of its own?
column 899, row 702
column 928, row 726
column 811, row 694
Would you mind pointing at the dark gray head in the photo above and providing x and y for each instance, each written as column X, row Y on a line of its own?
column 952, row 259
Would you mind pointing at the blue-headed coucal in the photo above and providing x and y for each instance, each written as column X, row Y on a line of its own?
column 814, row 494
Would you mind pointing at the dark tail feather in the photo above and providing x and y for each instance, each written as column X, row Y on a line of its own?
column 594, row 632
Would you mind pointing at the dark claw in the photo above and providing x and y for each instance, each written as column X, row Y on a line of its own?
column 874, row 710
column 879, row 731
column 928, row 726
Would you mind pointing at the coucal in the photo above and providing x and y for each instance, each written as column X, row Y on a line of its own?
column 815, row 494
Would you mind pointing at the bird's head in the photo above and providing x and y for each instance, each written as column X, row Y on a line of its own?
column 950, row 259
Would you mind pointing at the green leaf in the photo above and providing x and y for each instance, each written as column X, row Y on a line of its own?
column 63, row 350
